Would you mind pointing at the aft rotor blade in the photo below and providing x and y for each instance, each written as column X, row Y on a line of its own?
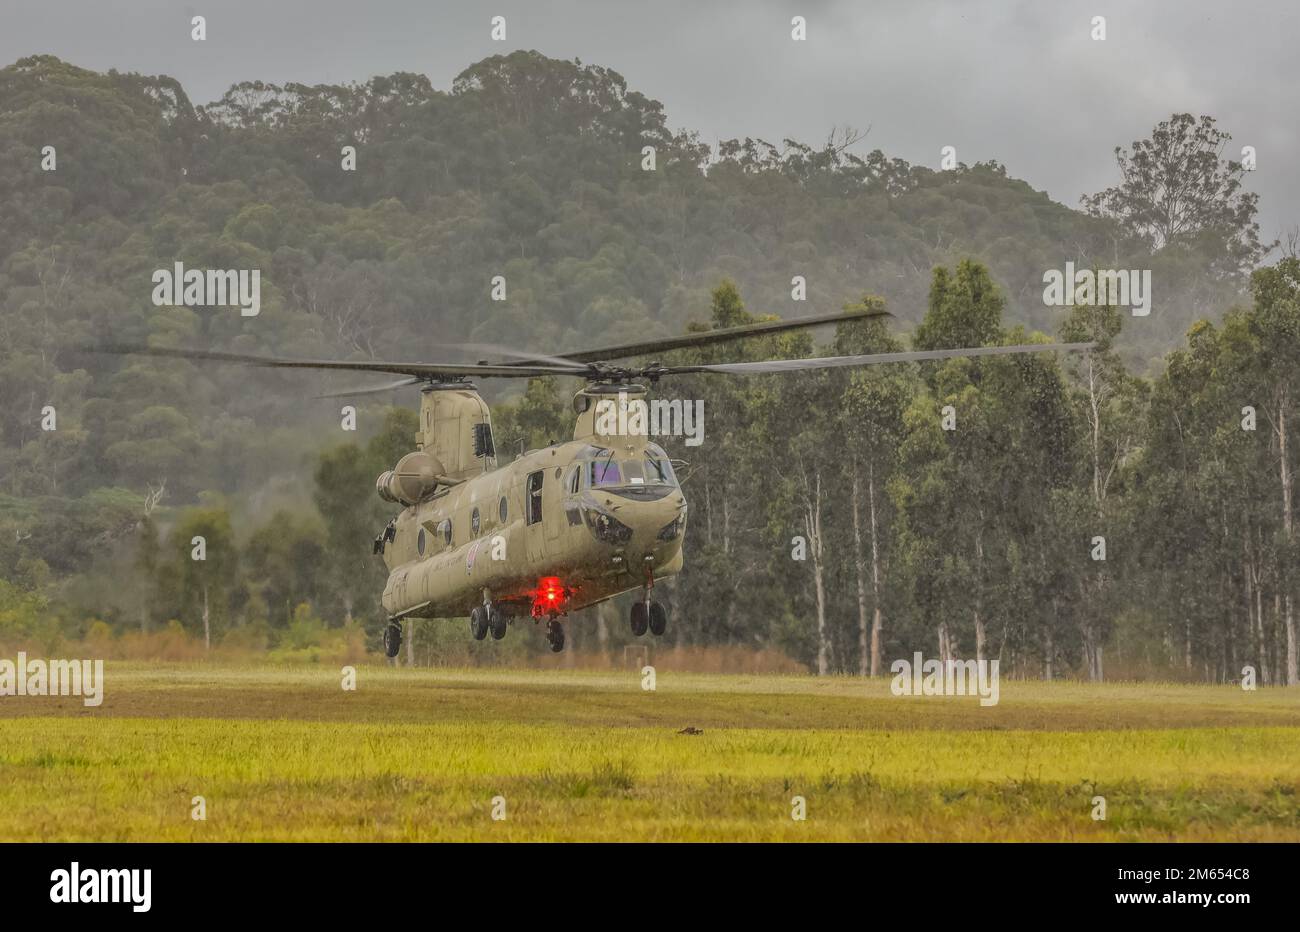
column 708, row 337
column 417, row 369
column 400, row 383
column 836, row 362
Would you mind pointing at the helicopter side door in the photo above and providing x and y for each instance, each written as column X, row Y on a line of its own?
column 534, row 515
column 554, row 510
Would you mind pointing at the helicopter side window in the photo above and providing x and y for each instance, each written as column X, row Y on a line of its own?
column 474, row 523
column 575, row 480
column 444, row 531
column 535, row 497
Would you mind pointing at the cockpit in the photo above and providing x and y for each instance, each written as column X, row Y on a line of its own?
column 645, row 475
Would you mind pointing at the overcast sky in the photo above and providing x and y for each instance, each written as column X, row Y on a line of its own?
column 1020, row 82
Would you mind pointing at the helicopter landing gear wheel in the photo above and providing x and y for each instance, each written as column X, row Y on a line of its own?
column 658, row 619
column 640, row 618
column 392, row 639
column 478, row 625
column 555, row 635
column 496, row 622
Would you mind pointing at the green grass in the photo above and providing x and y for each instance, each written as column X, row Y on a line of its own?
column 284, row 753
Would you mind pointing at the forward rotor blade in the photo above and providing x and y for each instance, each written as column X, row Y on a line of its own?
column 400, row 383
column 497, row 349
column 836, row 362
column 707, row 337
column 417, row 369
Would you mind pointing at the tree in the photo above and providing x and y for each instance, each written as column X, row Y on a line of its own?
column 872, row 427
column 1177, row 188
column 1277, row 324
column 201, row 573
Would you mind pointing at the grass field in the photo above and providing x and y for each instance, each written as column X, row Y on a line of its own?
column 285, row 754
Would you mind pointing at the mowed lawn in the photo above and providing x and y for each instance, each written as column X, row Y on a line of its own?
column 421, row 755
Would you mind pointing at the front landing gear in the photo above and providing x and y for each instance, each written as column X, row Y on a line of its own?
column 392, row 639
column 658, row 619
column 640, row 618
column 646, row 613
column 555, row 635
column 648, row 616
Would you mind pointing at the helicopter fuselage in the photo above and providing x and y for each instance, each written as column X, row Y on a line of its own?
column 558, row 529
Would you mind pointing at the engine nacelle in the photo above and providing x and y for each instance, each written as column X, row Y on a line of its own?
column 413, row 479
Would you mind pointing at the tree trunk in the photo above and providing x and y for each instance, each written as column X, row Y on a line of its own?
column 813, row 523
column 1265, row 672
column 945, row 643
column 207, row 630
column 1256, row 634
column 877, row 615
column 864, row 658
column 1278, row 675
column 1049, row 651
column 981, row 636
column 1094, row 418
column 410, row 643
column 1292, row 673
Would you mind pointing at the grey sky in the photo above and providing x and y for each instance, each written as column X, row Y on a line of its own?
column 1021, row 82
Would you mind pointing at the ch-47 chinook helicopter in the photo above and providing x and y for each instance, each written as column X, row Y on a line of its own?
column 560, row 528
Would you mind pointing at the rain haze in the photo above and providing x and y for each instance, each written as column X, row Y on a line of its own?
column 1021, row 83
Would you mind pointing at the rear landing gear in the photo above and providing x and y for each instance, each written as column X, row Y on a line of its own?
column 555, row 635
column 478, row 623
column 496, row 622
column 392, row 639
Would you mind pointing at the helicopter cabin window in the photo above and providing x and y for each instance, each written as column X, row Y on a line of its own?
column 444, row 531
column 503, row 509
column 575, row 480
column 474, row 523
column 483, row 445
column 420, row 542
column 534, row 497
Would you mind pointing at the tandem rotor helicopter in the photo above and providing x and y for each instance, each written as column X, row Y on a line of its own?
column 560, row 528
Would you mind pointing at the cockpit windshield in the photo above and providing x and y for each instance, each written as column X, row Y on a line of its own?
column 650, row 469
column 605, row 472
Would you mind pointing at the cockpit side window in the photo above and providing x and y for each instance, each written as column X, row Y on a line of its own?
column 658, row 466
column 658, row 471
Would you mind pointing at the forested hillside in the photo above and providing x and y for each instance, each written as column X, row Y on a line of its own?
column 981, row 539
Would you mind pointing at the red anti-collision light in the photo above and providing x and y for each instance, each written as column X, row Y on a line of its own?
column 549, row 594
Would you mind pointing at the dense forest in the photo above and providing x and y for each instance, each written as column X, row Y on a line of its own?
column 1127, row 512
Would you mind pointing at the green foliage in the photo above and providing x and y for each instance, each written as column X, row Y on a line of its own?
column 531, row 168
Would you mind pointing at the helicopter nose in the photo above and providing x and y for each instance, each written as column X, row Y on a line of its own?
column 656, row 524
